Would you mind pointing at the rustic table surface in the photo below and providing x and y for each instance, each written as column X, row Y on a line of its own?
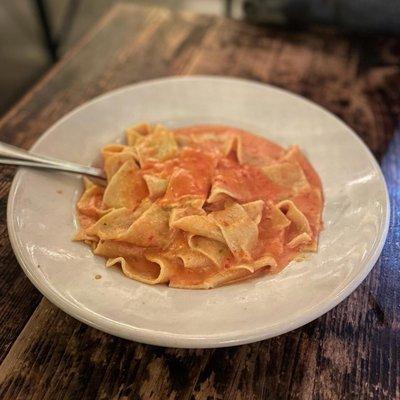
column 352, row 352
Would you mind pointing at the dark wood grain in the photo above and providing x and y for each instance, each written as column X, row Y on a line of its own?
column 352, row 352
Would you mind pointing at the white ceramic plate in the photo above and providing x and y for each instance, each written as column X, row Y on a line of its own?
column 41, row 218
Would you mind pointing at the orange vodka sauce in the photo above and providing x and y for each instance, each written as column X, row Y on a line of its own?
column 191, row 176
column 250, row 183
column 211, row 205
column 247, row 181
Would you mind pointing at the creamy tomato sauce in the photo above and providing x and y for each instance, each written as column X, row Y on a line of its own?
column 249, row 183
column 246, row 180
column 254, row 205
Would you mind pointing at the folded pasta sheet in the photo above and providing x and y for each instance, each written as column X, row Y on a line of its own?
column 126, row 188
column 200, row 206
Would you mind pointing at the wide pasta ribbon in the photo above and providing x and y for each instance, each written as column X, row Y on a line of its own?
column 200, row 207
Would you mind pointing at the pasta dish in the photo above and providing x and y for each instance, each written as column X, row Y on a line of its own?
column 201, row 206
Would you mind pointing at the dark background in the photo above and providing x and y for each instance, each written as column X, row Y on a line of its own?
column 25, row 56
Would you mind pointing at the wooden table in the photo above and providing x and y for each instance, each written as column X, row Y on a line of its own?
column 352, row 352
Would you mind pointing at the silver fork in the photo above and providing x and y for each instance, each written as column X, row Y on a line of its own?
column 11, row 155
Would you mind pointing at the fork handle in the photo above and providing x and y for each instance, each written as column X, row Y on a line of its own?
column 12, row 155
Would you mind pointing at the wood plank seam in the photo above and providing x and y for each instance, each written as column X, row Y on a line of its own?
column 72, row 53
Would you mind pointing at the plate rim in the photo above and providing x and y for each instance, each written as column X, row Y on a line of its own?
column 168, row 339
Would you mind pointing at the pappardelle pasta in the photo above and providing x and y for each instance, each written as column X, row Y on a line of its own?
column 201, row 206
